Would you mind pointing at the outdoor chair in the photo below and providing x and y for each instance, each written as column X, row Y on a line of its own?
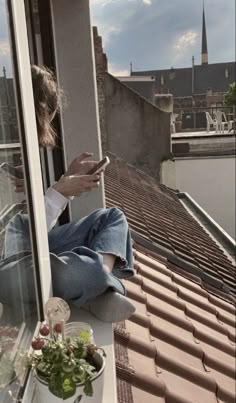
column 229, row 122
column 210, row 122
column 221, row 122
column 173, row 117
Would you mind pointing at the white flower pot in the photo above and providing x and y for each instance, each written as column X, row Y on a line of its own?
column 43, row 395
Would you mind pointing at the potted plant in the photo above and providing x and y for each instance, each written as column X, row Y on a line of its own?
column 66, row 368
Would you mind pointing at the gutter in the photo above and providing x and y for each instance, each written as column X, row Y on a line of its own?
column 219, row 235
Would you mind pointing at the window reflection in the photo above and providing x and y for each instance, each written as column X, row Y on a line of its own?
column 17, row 288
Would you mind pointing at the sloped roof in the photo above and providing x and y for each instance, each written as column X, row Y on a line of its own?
column 215, row 76
column 178, row 347
column 157, row 216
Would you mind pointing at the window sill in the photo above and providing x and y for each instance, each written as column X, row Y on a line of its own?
column 103, row 335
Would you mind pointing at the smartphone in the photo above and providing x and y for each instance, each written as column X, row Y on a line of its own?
column 100, row 166
column 11, row 170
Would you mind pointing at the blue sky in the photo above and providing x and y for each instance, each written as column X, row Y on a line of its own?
column 159, row 34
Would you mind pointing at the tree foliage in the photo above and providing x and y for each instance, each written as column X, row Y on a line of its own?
column 230, row 96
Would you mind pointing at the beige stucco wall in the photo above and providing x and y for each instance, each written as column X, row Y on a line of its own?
column 76, row 75
column 136, row 130
column 211, row 182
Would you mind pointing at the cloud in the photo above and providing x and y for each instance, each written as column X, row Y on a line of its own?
column 115, row 71
column 157, row 34
column 184, row 45
column 4, row 48
column 185, row 40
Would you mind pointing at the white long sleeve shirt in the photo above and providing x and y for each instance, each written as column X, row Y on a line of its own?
column 55, row 203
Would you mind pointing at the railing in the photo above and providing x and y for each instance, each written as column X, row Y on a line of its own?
column 195, row 117
column 11, row 153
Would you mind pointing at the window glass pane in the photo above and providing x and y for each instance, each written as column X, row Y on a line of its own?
column 18, row 308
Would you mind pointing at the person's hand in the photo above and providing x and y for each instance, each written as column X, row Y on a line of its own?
column 75, row 185
column 79, row 166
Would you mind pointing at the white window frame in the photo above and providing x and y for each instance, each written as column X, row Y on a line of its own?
column 31, row 138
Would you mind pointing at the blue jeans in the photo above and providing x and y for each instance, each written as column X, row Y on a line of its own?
column 76, row 252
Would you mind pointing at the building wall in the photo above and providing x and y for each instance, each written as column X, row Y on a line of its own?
column 101, row 68
column 136, row 130
column 145, row 88
column 131, row 127
column 211, row 182
column 76, row 75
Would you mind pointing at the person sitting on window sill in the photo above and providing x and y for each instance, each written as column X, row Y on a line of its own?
column 88, row 256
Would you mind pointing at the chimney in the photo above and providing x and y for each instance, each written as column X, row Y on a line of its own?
column 193, row 78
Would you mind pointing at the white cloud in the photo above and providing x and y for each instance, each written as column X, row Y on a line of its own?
column 117, row 72
column 158, row 34
column 4, row 48
column 183, row 44
column 186, row 40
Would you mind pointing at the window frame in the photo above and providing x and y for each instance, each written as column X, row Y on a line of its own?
column 30, row 152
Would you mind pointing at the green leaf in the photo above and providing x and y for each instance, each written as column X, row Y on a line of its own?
column 69, row 388
column 88, row 388
column 84, row 336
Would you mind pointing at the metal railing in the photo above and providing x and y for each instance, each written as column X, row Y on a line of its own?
column 194, row 118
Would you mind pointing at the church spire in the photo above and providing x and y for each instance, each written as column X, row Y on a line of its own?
column 204, row 39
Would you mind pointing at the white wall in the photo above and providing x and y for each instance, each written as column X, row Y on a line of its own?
column 211, row 182
column 76, row 75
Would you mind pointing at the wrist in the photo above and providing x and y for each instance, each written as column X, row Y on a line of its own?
column 60, row 187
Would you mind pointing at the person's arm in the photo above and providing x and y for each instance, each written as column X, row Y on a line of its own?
column 57, row 197
column 55, row 203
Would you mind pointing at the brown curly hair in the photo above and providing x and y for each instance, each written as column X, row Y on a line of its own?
column 47, row 97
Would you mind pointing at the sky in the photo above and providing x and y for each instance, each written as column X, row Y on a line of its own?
column 159, row 34
column 153, row 34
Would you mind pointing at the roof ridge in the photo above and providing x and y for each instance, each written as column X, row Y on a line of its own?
column 128, row 164
column 136, row 73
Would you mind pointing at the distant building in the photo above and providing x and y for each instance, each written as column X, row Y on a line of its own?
column 196, row 86
column 8, row 118
column 144, row 86
column 131, row 125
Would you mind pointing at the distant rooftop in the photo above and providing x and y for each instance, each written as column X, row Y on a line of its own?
column 136, row 78
column 215, row 76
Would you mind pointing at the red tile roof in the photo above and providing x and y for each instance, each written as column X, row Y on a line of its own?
column 179, row 346
column 157, row 216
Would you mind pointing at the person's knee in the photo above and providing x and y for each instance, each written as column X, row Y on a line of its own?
column 117, row 212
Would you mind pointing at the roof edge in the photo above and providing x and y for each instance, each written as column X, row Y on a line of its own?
column 217, row 232
column 134, row 72
column 123, row 83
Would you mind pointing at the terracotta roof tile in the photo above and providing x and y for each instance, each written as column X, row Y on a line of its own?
column 155, row 213
column 177, row 346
